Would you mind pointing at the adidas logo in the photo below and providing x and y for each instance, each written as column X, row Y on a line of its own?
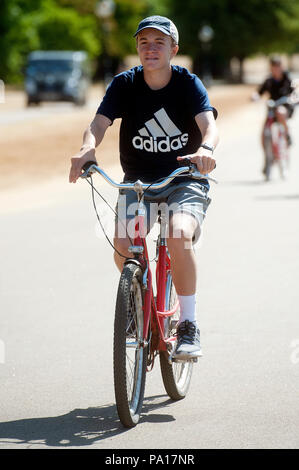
column 160, row 134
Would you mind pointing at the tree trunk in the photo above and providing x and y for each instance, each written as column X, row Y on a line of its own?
column 241, row 70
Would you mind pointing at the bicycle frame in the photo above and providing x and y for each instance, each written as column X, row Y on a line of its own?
column 154, row 308
column 275, row 138
column 142, row 326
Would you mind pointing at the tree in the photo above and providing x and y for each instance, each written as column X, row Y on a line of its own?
column 64, row 28
column 17, row 36
column 41, row 24
column 116, row 32
column 241, row 28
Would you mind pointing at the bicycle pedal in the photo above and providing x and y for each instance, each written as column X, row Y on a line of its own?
column 192, row 359
column 174, row 359
column 173, row 324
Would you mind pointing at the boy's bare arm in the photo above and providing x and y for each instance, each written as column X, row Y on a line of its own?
column 208, row 128
column 92, row 137
column 204, row 157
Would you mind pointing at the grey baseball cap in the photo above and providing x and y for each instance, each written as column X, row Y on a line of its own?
column 162, row 24
column 275, row 60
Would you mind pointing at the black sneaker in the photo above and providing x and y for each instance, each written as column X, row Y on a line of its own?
column 188, row 342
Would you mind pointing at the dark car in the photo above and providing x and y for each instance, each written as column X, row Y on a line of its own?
column 57, row 76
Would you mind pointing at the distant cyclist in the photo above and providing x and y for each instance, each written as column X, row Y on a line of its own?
column 277, row 85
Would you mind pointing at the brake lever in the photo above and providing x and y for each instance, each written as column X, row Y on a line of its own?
column 194, row 172
column 186, row 162
column 88, row 169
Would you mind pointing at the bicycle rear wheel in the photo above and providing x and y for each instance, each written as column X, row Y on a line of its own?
column 129, row 354
column 176, row 375
column 283, row 160
column 269, row 157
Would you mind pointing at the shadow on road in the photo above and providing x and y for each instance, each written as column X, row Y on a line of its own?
column 80, row 427
column 243, row 183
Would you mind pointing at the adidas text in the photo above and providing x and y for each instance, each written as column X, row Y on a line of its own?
column 166, row 144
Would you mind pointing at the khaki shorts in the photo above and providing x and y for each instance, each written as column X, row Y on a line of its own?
column 186, row 197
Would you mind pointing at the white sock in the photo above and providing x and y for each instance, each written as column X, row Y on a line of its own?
column 187, row 308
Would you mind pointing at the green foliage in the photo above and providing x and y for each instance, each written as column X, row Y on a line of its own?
column 27, row 25
column 17, row 36
column 117, row 32
column 241, row 28
column 123, row 25
column 82, row 6
column 64, row 28
column 41, row 24
column 158, row 7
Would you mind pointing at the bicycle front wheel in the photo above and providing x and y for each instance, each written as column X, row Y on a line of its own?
column 176, row 375
column 129, row 353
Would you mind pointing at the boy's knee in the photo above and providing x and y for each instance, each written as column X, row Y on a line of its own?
column 121, row 243
column 182, row 227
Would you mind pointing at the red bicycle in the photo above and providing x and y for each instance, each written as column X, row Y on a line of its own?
column 275, row 140
column 145, row 324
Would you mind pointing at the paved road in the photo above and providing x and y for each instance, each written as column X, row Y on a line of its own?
column 57, row 289
column 14, row 109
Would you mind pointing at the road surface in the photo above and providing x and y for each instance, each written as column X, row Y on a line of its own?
column 58, row 284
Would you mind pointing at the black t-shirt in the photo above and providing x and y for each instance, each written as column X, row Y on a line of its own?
column 276, row 88
column 157, row 125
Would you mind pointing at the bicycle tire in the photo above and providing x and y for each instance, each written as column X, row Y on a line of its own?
column 129, row 363
column 283, row 160
column 176, row 376
column 269, row 157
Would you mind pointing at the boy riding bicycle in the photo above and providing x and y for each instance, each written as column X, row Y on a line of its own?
column 277, row 85
column 166, row 116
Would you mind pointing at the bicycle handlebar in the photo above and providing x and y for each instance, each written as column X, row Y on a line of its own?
column 280, row 101
column 139, row 185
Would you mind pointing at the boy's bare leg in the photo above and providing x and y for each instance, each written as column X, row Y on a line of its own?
column 183, row 263
column 121, row 243
column 183, row 266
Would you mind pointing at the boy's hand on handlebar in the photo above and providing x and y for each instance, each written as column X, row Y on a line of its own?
column 255, row 96
column 78, row 161
column 205, row 164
